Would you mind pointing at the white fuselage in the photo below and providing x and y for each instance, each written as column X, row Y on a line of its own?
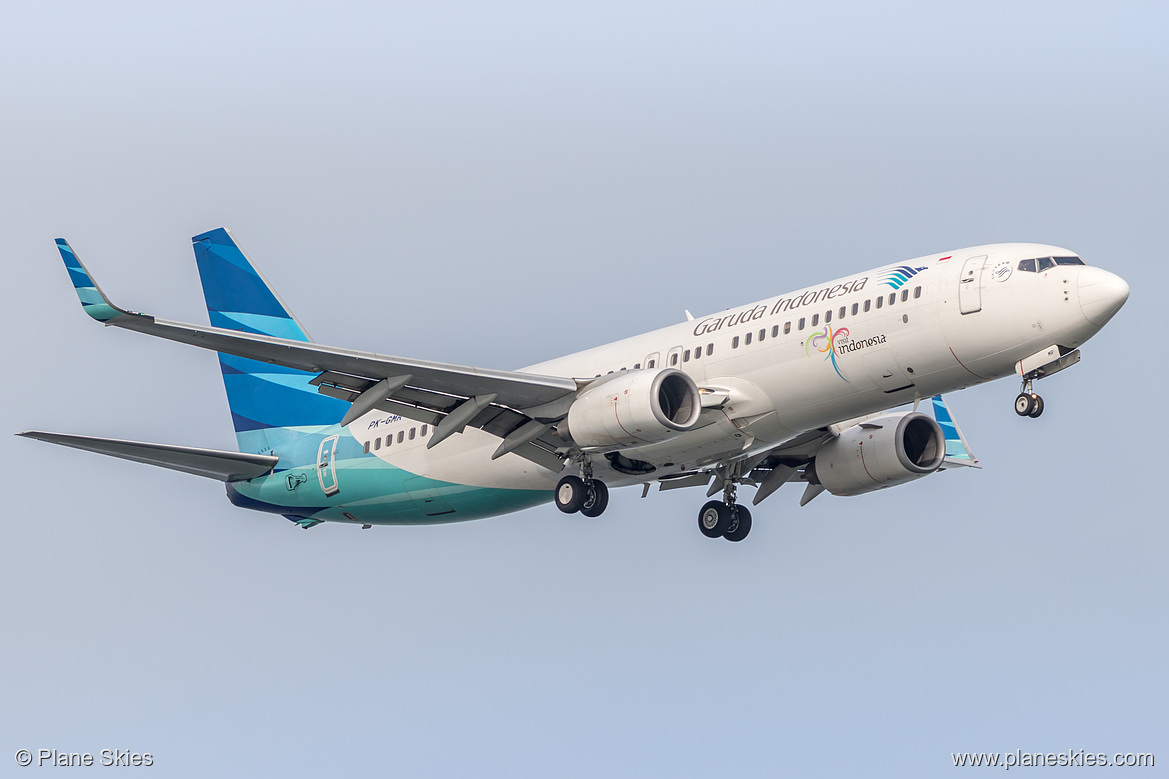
column 814, row 357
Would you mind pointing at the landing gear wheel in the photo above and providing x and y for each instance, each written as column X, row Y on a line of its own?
column 740, row 525
column 714, row 519
column 1038, row 409
column 570, row 494
column 1025, row 404
column 596, row 499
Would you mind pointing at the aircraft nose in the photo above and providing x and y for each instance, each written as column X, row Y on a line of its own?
column 1101, row 294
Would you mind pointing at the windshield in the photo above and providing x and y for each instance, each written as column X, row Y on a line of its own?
column 1039, row 264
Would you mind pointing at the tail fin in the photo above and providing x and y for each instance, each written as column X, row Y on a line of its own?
column 269, row 404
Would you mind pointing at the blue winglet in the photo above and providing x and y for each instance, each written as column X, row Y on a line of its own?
column 93, row 300
column 957, row 451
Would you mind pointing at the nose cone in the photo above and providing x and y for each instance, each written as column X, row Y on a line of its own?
column 1101, row 294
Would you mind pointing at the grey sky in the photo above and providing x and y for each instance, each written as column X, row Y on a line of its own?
column 496, row 185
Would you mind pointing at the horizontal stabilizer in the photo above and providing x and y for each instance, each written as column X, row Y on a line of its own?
column 212, row 463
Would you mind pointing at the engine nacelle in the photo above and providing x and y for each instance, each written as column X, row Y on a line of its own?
column 881, row 452
column 635, row 408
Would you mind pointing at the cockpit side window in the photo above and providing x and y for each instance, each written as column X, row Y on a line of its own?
column 1027, row 265
column 1068, row 261
column 1045, row 263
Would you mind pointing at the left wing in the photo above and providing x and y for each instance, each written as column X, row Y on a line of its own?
column 770, row 470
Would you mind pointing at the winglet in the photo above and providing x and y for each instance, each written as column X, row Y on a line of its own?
column 957, row 450
column 93, row 300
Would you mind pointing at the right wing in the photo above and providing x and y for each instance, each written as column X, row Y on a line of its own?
column 451, row 397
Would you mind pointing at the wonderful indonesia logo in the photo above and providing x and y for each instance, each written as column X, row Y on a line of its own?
column 833, row 343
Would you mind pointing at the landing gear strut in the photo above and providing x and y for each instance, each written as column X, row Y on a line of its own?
column 582, row 493
column 1028, row 404
column 725, row 518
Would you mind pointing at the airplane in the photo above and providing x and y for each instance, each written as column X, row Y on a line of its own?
column 801, row 387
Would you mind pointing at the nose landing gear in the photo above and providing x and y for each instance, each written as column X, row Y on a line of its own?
column 1028, row 404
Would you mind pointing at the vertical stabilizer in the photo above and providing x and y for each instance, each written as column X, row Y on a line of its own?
column 269, row 404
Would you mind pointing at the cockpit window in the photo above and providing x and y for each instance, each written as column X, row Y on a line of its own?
column 1043, row 263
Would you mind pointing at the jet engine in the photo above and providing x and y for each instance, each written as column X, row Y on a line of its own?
column 634, row 408
column 881, row 452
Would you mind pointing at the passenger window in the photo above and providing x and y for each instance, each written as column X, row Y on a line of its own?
column 1045, row 263
column 650, row 364
column 401, row 436
column 904, row 295
column 674, row 358
column 855, row 308
column 916, row 292
column 775, row 331
column 636, row 366
column 892, row 298
column 709, row 349
column 686, row 356
column 366, row 447
column 762, row 334
column 815, row 319
column 389, row 440
column 843, row 310
column 747, row 340
column 801, row 325
column 867, row 305
column 423, row 431
column 377, row 443
column 880, row 302
column 827, row 317
column 411, row 434
column 735, row 342
column 1027, row 265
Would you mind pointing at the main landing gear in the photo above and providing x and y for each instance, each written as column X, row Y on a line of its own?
column 582, row 493
column 1028, row 404
column 725, row 518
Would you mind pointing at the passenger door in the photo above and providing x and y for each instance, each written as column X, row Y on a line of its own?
column 327, row 465
column 970, row 285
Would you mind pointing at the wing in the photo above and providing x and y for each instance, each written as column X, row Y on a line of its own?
column 517, row 407
column 770, row 470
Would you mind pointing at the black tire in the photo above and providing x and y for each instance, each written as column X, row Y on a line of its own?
column 570, row 494
column 596, row 499
column 740, row 525
column 1024, row 404
column 714, row 519
column 1035, row 412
